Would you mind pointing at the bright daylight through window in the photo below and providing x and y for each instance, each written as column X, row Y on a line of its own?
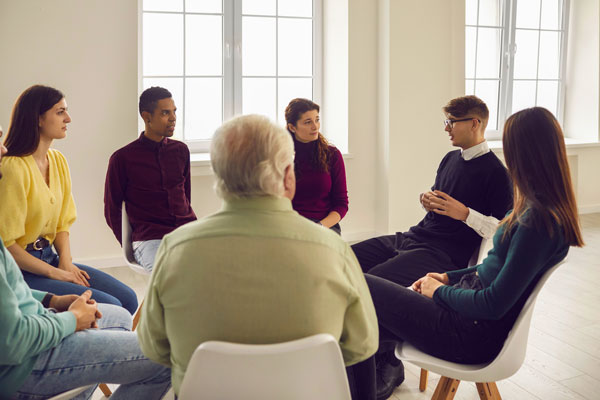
column 515, row 56
column 221, row 58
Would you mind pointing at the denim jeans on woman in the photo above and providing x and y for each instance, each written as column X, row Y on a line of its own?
column 110, row 354
column 105, row 288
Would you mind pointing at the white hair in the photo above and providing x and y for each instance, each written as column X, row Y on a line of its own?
column 249, row 155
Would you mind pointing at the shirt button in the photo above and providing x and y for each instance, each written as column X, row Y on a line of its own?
column 52, row 200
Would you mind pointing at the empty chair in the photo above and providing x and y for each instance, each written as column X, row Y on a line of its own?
column 506, row 363
column 304, row 369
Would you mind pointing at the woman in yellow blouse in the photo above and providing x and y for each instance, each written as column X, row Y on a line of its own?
column 37, row 207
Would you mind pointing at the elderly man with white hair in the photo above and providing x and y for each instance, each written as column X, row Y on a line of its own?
column 256, row 271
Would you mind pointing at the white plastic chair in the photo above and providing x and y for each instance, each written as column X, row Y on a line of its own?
column 506, row 363
column 481, row 252
column 71, row 393
column 129, row 258
column 304, row 369
column 478, row 255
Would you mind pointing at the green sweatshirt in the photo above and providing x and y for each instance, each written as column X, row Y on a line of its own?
column 26, row 327
column 510, row 267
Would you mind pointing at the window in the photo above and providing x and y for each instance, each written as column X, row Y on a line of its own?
column 222, row 58
column 515, row 54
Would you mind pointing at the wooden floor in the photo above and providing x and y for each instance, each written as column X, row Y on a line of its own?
column 563, row 356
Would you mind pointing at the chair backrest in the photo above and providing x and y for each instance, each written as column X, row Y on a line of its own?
column 71, row 393
column 512, row 354
column 475, row 257
column 309, row 368
column 126, row 242
column 481, row 252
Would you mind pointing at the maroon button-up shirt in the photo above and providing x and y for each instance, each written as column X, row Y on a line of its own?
column 154, row 181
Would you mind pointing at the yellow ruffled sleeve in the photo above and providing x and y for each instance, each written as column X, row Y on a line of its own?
column 68, row 212
column 14, row 189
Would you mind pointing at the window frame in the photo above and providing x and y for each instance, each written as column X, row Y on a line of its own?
column 232, row 61
column 507, row 57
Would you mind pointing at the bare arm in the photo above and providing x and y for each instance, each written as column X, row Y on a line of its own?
column 331, row 219
column 29, row 263
column 62, row 244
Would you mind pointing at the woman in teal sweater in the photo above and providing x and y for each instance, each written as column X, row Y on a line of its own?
column 464, row 316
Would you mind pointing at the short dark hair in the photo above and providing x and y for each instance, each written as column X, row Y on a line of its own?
column 23, row 134
column 461, row 106
column 150, row 97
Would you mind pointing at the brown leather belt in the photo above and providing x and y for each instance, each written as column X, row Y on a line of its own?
column 39, row 244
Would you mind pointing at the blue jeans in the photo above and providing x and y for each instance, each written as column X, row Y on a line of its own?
column 105, row 288
column 145, row 252
column 110, row 354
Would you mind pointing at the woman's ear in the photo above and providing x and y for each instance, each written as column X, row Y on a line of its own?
column 291, row 128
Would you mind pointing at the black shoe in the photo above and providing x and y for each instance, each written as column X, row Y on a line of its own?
column 390, row 374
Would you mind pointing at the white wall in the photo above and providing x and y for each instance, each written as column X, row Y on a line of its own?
column 583, row 71
column 405, row 61
column 88, row 50
column 423, row 67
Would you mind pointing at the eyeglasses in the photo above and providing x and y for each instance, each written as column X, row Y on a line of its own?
column 451, row 122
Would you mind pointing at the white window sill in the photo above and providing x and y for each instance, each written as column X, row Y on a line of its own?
column 200, row 163
column 496, row 145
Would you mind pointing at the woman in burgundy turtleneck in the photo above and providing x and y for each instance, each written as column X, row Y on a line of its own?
column 321, row 193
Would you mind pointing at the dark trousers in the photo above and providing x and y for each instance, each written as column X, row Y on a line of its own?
column 400, row 259
column 405, row 315
column 361, row 379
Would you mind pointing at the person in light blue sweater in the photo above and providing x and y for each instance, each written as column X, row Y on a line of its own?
column 50, row 344
column 464, row 316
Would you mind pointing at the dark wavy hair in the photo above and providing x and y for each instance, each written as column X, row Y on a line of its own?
column 536, row 157
column 23, row 134
column 293, row 112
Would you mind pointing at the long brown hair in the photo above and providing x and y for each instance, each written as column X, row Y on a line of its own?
column 535, row 154
column 293, row 112
column 23, row 133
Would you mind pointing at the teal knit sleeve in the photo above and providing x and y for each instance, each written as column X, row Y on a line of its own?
column 530, row 252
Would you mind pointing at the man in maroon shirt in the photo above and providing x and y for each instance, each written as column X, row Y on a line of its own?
column 152, row 176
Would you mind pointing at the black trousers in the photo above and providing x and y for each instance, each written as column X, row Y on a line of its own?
column 361, row 379
column 405, row 315
column 400, row 259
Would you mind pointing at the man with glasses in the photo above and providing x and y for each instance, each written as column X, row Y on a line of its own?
column 471, row 193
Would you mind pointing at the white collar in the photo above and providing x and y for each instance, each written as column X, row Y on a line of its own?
column 475, row 151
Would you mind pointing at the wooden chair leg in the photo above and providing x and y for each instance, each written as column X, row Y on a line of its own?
column 423, row 380
column 446, row 389
column 488, row 391
column 105, row 390
column 136, row 317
